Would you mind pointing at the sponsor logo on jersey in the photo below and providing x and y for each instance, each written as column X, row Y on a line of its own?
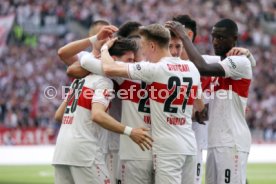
column 234, row 66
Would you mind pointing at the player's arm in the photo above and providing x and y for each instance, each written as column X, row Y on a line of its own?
column 100, row 102
column 199, row 105
column 60, row 111
column 139, row 135
column 109, row 66
column 201, row 116
column 68, row 53
column 205, row 69
column 91, row 64
column 76, row 71
column 144, row 71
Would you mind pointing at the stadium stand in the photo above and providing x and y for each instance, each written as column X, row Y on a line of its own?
column 30, row 64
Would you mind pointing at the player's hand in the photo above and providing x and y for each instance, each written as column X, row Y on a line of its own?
column 103, row 36
column 177, row 28
column 141, row 137
column 106, row 32
column 202, row 116
column 237, row 51
column 111, row 42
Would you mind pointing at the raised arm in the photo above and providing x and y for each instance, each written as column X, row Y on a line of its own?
column 68, row 53
column 110, row 67
column 76, row 71
column 193, row 54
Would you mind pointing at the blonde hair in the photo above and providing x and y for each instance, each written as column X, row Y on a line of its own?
column 156, row 33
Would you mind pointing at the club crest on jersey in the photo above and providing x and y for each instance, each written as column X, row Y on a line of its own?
column 138, row 67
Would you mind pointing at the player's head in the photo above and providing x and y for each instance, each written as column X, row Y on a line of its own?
column 124, row 49
column 190, row 29
column 130, row 28
column 96, row 26
column 138, row 55
column 155, row 38
column 175, row 45
column 224, row 36
column 190, row 25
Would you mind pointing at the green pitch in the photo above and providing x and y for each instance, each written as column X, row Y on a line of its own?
column 256, row 174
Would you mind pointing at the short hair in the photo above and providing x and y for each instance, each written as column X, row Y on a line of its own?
column 128, row 29
column 94, row 24
column 188, row 22
column 230, row 26
column 156, row 33
column 123, row 45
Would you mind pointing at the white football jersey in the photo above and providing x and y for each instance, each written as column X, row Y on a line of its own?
column 80, row 139
column 227, row 106
column 135, row 109
column 135, row 113
column 174, row 84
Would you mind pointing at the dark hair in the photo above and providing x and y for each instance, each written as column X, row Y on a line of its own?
column 187, row 22
column 156, row 33
column 123, row 45
column 128, row 28
column 230, row 26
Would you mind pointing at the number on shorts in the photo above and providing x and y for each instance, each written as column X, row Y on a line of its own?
column 198, row 169
column 227, row 175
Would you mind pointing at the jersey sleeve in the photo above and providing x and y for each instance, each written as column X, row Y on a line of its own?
column 144, row 71
column 103, row 92
column 211, row 59
column 91, row 64
column 82, row 53
column 237, row 67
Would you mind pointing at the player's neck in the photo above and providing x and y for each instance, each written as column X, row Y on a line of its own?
column 222, row 57
column 160, row 54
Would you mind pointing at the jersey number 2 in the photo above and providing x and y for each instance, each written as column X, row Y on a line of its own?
column 142, row 107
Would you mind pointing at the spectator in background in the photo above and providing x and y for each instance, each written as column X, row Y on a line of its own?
column 21, row 67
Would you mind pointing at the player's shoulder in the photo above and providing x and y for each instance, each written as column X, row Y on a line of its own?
column 98, row 79
column 237, row 61
column 84, row 53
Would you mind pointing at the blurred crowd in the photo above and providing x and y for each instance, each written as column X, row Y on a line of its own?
column 28, row 67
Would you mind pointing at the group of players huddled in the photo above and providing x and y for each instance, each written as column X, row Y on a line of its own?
column 141, row 102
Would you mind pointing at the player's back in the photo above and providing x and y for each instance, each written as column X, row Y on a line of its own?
column 80, row 139
column 172, row 94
